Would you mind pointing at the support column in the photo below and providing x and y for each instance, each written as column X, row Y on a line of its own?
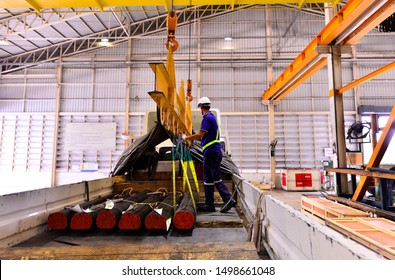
column 127, row 93
column 269, row 74
column 198, row 58
column 59, row 78
column 336, row 107
column 355, row 76
column 337, row 117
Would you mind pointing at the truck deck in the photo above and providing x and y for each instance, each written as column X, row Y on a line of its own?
column 216, row 236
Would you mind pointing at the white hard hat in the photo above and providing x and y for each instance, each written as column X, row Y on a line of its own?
column 204, row 101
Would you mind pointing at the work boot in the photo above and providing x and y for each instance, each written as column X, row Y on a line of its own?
column 228, row 205
column 206, row 208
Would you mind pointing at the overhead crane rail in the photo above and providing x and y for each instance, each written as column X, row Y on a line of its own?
column 350, row 24
column 38, row 5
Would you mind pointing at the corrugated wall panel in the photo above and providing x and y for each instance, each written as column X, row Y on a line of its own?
column 384, row 94
column 12, row 91
column 11, row 106
column 142, row 104
column 113, row 91
column 347, row 73
column 41, row 70
column 154, row 46
column 40, row 105
column 250, row 73
column 108, row 105
column 110, row 76
column 365, row 68
column 217, row 75
column 76, row 105
column 75, row 76
column 137, row 125
column 368, row 44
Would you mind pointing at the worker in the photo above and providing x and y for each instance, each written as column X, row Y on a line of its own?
column 209, row 134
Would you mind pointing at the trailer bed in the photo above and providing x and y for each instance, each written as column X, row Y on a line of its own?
column 216, row 236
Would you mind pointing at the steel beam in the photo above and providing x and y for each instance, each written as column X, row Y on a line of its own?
column 74, row 46
column 375, row 19
column 377, row 155
column 354, row 14
column 367, row 77
column 151, row 3
column 337, row 115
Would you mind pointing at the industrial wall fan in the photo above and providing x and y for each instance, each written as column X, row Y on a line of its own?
column 359, row 132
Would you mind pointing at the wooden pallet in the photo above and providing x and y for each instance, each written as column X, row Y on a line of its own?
column 377, row 234
column 166, row 251
column 323, row 208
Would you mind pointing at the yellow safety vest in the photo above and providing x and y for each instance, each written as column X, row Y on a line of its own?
column 216, row 138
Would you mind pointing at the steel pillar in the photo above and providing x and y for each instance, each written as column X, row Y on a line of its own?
column 337, row 116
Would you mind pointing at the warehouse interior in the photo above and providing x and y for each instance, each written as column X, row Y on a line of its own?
column 299, row 87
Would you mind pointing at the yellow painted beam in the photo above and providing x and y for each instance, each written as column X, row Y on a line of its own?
column 296, row 67
column 346, row 17
column 301, row 3
column 377, row 156
column 381, row 14
column 8, row 4
column 100, row 5
column 33, row 5
column 321, row 62
column 367, row 77
column 349, row 14
column 166, row 6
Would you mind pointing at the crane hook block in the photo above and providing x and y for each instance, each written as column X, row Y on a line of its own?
column 171, row 22
column 173, row 43
column 189, row 90
column 189, row 86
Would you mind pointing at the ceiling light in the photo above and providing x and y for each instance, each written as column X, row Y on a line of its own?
column 104, row 42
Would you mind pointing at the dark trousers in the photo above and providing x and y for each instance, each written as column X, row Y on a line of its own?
column 212, row 178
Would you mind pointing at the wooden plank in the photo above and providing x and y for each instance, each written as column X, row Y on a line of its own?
column 364, row 207
column 220, row 224
column 166, row 251
column 377, row 234
column 362, row 172
column 324, row 208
